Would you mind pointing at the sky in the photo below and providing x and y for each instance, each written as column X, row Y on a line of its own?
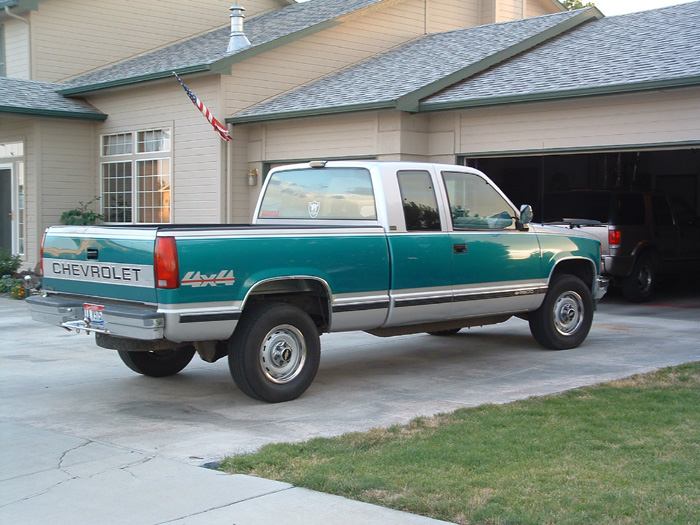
column 620, row 7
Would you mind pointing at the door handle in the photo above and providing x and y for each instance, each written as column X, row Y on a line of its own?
column 459, row 248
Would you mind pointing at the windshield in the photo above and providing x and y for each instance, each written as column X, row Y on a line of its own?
column 328, row 193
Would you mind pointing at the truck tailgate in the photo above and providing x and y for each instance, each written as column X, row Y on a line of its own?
column 109, row 262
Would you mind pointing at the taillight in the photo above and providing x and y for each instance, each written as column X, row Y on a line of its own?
column 614, row 238
column 166, row 267
column 40, row 267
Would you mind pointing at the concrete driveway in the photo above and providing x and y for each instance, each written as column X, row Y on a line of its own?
column 54, row 380
column 85, row 440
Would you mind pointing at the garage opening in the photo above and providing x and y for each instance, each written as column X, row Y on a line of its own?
column 526, row 178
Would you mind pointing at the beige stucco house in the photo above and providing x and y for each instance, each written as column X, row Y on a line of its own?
column 532, row 93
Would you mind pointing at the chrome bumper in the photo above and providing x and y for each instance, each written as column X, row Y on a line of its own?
column 600, row 287
column 135, row 322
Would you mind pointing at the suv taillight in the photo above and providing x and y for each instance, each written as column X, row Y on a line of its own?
column 166, row 267
column 40, row 269
column 613, row 238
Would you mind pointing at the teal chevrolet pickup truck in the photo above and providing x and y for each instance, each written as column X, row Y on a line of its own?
column 389, row 248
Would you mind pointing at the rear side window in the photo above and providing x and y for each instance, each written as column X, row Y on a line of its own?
column 420, row 207
column 662, row 211
column 329, row 193
column 629, row 209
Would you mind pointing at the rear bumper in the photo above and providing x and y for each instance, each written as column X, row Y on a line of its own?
column 617, row 266
column 600, row 287
column 136, row 322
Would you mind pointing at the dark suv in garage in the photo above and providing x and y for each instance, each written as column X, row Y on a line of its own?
column 643, row 234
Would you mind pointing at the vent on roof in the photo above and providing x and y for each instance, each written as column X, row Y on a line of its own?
column 238, row 39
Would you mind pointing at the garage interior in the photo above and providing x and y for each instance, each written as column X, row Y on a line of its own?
column 526, row 178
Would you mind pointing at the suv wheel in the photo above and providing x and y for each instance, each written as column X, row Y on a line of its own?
column 639, row 286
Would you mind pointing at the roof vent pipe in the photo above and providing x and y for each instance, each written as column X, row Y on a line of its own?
column 238, row 39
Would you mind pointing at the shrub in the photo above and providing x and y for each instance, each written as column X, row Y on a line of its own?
column 81, row 215
column 9, row 264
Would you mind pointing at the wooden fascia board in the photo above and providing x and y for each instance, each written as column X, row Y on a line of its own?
column 411, row 101
column 53, row 113
column 616, row 89
column 352, row 108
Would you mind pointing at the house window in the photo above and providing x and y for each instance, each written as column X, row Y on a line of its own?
column 136, row 175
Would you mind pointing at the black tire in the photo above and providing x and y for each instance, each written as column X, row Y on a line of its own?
column 275, row 352
column 445, row 333
column 639, row 286
column 161, row 363
column 565, row 317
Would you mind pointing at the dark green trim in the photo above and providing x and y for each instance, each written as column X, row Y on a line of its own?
column 411, row 101
column 352, row 108
column 656, row 146
column 615, row 89
column 53, row 113
column 89, row 88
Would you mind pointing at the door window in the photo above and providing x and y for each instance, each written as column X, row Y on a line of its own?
column 474, row 204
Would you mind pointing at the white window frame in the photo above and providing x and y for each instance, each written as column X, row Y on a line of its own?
column 134, row 158
column 16, row 164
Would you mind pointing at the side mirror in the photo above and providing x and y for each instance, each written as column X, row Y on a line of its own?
column 525, row 216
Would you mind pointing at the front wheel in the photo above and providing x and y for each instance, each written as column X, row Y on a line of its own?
column 565, row 317
column 161, row 363
column 275, row 352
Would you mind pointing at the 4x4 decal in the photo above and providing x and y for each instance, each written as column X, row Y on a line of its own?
column 199, row 280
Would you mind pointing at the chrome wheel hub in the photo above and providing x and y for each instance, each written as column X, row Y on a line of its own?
column 568, row 313
column 283, row 354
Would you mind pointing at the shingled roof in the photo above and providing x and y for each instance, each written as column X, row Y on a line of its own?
column 401, row 77
column 553, row 56
column 28, row 97
column 620, row 54
column 208, row 52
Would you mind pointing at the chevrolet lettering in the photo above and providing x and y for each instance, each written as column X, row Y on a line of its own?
column 389, row 248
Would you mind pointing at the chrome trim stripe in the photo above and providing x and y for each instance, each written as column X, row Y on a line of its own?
column 104, row 232
column 256, row 232
column 477, row 296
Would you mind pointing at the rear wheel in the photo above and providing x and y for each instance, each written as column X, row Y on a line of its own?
column 639, row 286
column 275, row 352
column 565, row 317
column 160, row 363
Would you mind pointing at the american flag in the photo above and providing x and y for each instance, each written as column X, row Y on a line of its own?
column 220, row 128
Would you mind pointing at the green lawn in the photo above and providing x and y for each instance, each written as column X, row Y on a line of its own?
column 621, row 452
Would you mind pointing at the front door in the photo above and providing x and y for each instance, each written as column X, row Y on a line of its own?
column 496, row 266
column 6, row 210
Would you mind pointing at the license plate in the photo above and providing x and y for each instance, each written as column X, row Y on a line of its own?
column 93, row 313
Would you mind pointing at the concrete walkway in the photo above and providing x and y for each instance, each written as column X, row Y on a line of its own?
column 85, row 440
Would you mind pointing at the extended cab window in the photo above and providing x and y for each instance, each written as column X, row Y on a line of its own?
column 474, row 204
column 420, row 207
column 328, row 193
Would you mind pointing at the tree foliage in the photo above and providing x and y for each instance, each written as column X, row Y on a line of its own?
column 576, row 4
